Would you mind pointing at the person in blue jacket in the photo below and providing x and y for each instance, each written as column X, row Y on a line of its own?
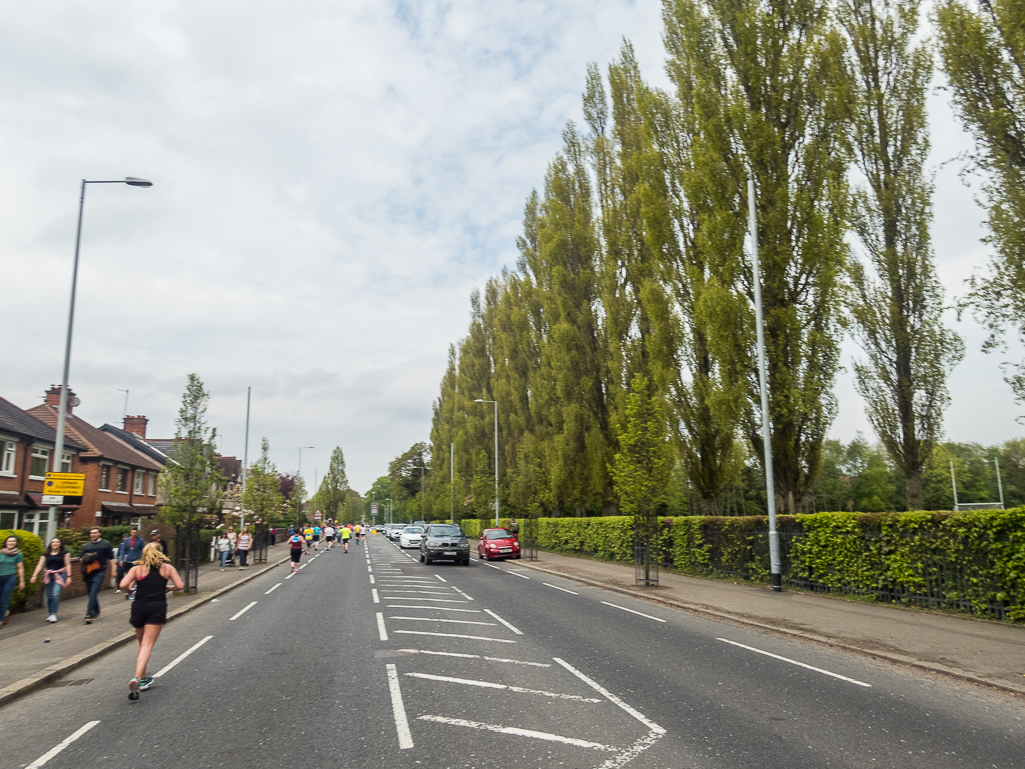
column 128, row 552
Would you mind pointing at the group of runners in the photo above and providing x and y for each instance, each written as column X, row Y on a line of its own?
column 308, row 539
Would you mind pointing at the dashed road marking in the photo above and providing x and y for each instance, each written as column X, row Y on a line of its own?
column 492, row 685
column 464, row 595
column 377, row 598
column 381, row 631
column 638, row 613
column 170, row 665
column 61, row 745
column 240, row 613
column 548, row 584
column 274, row 588
column 398, row 709
column 507, row 624
column 518, row 732
column 795, row 662
column 441, row 578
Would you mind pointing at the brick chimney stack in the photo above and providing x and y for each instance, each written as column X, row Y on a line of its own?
column 53, row 397
column 136, row 426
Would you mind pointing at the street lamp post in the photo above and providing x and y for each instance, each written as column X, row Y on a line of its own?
column 481, row 400
column 62, row 412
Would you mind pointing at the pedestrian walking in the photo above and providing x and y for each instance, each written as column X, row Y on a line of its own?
column 245, row 541
column 233, row 537
column 129, row 550
column 12, row 572
column 96, row 556
column 55, row 564
column 296, row 543
column 156, row 536
column 273, row 536
column 149, row 609
column 223, row 548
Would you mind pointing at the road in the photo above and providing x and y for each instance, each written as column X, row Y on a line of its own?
column 372, row 659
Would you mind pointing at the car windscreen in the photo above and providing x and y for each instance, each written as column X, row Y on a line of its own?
column 500, row 534
column 445, row 531
column 413, row 530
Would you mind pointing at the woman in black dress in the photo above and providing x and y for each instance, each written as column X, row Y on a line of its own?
column 151, row 574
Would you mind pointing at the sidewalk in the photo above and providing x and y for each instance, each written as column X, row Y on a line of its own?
column 982, row 651
column 34, row 652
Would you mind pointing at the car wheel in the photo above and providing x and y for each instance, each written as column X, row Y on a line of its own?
column 466, row 562
column 427, row 560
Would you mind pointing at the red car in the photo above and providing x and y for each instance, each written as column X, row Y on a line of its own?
column 498, row 543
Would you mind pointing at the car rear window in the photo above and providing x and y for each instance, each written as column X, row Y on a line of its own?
column 445, row 531
column 500, row 534
column 413, row 530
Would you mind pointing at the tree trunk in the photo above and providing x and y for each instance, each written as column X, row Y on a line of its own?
column 913, row 485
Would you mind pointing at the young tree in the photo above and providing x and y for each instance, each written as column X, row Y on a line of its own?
column 332, row 494
column 897, row 301
column 644, row 463
column 263, row 497
column 982, row 50
column 192, row 481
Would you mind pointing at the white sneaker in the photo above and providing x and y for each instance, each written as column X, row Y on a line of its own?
column 52, row 618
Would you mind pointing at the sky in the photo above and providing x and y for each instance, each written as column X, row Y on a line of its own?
column 331, row 181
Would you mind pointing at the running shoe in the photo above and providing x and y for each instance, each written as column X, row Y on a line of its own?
column 145, row 683
column 133, row 689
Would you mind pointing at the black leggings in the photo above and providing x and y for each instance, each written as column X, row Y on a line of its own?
column 243, row 556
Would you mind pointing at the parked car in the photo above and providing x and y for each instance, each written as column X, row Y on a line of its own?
column 497, row 543
column 445, row 541
column 411, row 536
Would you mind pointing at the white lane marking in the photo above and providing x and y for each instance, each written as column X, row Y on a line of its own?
column 638, row 613
column 439, row 619
column 377, row 598
column 611, row 697
column 398, row 709
column 441, row 578
column 515, row 574
column 632, row 752
column 240, row 613
column 439, row 591
column 492, row 566
column 290, row 575
column 372, row 580
column 548, row 584
column 274, row 588
column 477, row 657
column 795, row 662
column 464, row 595
column 507, row 624
column 305, row 565
column 455, row 635
column 517, row 731
column 411, row 598
column 492, row 685
column 370, row 568
column 432, row 608
column 380, row 627
column 180, row 657
column 60, row 746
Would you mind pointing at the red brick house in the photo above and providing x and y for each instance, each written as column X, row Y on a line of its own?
column 26, row 455
column 120, row 480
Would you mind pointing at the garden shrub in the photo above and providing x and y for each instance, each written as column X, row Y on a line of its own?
column 31, row 549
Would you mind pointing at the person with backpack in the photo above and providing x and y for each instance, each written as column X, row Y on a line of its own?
column 150, row 575
column 95, row 557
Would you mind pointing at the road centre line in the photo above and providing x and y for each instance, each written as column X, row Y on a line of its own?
column 432, row 608
column 639, row 613
column 377, row 598
column 274, row 588
column 441, row 578
column 795, row 662
column 456, row 635
column 508, row 625
column 438, row 619
column 548, row 584
column 477, row 657
column 61, row 745
column 492, row 566
column 491, row 685
column 398, row 709
column 372, row 580
column 290, row 575
column 239, row 614
column 170, row 665
column 410, row 598
column 464, row 595
column 517, row 574
column 611, row 697
column 381, row 631
column 370, row 568
column 304, row 566
column 517, row 732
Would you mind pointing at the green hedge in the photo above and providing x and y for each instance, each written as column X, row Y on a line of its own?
column 31, row 548
column 971, row 561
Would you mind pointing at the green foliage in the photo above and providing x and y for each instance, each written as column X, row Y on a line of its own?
column 31, row 549
column 333, row 492
column 72, row 540
column 263, row 497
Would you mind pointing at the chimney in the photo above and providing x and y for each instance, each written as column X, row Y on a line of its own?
column 53, row 397
column 136, row 426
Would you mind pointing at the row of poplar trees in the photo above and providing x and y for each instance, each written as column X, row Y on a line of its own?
column 628, row 325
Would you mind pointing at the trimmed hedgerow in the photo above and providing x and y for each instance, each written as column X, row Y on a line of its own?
column 31, row 548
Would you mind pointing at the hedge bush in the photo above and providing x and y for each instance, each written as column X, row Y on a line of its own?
column 31, row 548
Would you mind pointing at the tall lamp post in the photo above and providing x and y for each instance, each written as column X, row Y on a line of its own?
column 62, row 413
column 481, row 400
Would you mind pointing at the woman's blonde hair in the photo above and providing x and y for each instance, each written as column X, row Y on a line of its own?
column 152, row 556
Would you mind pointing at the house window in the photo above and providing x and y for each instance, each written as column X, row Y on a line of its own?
column 104, row 477
column 65, row 463
column 152, row 484
column 10, row 452
column 122, row 480
column 8, row 519
column 40, row 461
column 140, row 478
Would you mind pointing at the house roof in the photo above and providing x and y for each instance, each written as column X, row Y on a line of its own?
column 20, row 422
column 163, row 445
column 138, row 443
column 97, row 442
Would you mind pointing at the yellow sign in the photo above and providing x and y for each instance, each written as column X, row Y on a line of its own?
column 67, row 484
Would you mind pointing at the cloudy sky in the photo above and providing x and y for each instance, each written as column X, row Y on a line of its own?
column 331, row 180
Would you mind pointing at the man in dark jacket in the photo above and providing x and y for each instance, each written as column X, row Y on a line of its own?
column 128, row 552
column 97, row 555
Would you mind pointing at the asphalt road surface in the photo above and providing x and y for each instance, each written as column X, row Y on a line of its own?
column 372, row 659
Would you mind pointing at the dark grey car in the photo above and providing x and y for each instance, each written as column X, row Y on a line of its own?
column 444, row 541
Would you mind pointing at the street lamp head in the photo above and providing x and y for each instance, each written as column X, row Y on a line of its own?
column 478, row 400
column 133, row 181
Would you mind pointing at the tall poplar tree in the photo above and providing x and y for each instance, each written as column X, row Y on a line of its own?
column 982, row 49
column 332, row 494
column 897, row 300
